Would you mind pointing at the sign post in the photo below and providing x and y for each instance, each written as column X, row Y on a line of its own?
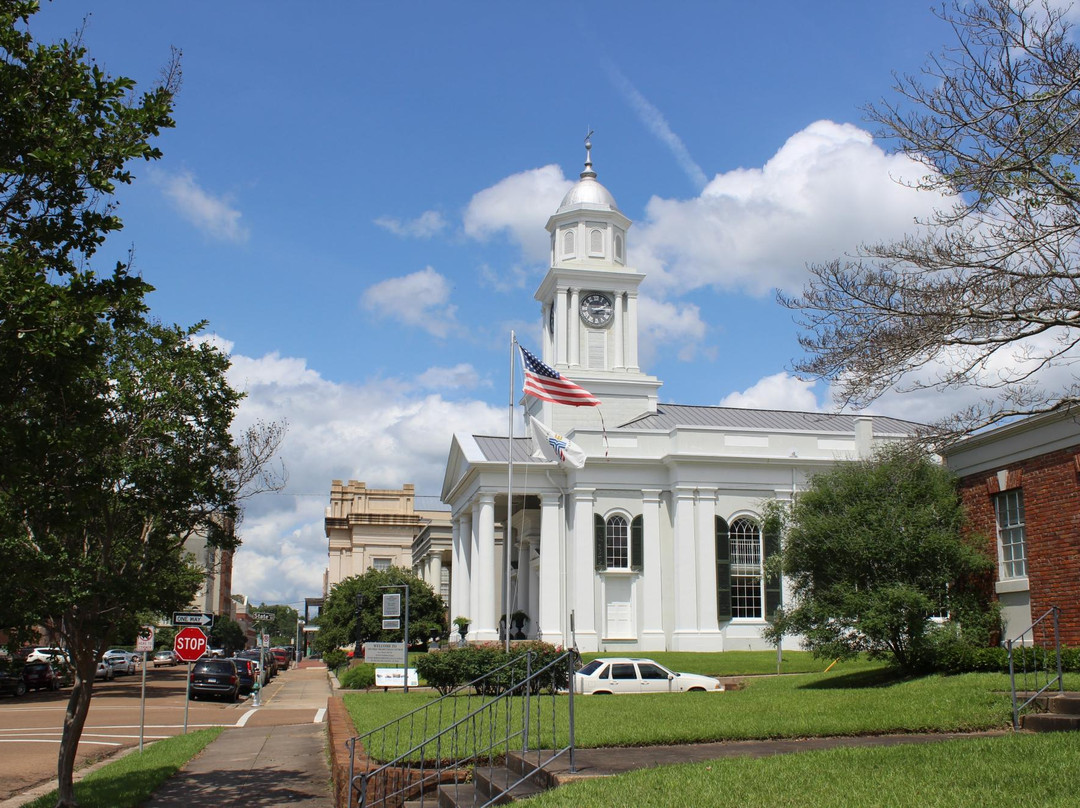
column 143, row 643
column 391, row 610
column 190, row 644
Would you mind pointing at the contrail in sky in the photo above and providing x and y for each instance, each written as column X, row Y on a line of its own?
column 656, row 123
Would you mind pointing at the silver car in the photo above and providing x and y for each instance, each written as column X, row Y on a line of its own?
column 122, row 662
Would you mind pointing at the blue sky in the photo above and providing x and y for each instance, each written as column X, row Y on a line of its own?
column 355, row 196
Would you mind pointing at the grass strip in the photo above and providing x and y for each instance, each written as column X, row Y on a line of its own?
column 971, row 773
column 745, row 663
column 131, row 780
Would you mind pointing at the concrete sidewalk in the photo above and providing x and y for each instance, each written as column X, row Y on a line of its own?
column 276, row 757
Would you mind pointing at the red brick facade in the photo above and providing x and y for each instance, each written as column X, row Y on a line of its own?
column 1051, row 491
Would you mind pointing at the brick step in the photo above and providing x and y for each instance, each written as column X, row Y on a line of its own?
column 1063, row 703
column 1050, row 722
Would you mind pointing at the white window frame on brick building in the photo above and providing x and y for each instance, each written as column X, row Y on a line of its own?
column 1011, row 534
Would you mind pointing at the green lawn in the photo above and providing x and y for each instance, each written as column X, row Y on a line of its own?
column 129, row 781
column 744, row 663
column 1020, row 769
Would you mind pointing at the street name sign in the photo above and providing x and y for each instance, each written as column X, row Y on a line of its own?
column 201, row 619
column 265, row 616
column 190, row 644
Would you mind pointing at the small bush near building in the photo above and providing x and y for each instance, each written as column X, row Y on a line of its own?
column 335, row 659
column 358, row 677
column 451, row 668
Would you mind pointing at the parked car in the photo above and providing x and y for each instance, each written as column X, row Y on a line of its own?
column 164, row 657
column 281, row 656
column 104, row 671
column 40, row 676
column 11, row 681
column 122, row 662
column 630, row 675
column 261, row 672
column 247, row 672
column 42, row 653
column 215, row 677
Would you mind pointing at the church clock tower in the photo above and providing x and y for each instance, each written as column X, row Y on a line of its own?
column 590, row 309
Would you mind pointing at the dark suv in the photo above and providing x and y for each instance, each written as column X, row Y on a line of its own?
column 215, row 677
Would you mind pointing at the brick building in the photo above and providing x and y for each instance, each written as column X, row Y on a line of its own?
column 1020, row 484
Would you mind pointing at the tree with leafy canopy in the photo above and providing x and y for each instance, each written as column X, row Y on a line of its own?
column 227, row 635
column 282, row 629
column 338, row 618
column 984, row 293
column 872, row 550
column 115, row 442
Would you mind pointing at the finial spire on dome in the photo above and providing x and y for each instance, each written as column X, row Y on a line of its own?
column 588, row 172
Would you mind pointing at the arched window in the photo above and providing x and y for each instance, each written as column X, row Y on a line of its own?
column 568, row 242
column 742, row 590
column 596, row 242
column 618, row 246
column 617, row 543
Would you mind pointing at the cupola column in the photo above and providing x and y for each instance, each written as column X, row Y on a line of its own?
column 560, row 326
column 619, row 360
column 575, row 328
column 631, row 333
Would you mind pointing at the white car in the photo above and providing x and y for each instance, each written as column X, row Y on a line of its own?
column 609, row 675
column 104, row 671
column 45, row 654
column 122, row 662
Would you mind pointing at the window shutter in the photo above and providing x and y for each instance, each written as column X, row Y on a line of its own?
column 599, row 543
column 637, row 544
column 723, row 572
column 773, row 594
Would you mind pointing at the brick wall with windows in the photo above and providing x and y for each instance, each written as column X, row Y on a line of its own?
column 1050, row 488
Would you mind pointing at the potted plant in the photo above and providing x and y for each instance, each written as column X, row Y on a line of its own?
column 462, row 624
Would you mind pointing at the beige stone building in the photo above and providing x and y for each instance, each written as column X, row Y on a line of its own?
column 371, row 528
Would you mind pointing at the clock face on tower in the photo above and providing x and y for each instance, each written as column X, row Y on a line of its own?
column 596, row 309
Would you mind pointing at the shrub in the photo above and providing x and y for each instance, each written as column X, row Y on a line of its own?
column 453, row 667
column 335, row 659
column 358, row 677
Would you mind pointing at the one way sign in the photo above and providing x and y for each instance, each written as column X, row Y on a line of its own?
column 200, row 619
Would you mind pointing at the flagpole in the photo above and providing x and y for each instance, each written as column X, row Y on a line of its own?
column 509, row 531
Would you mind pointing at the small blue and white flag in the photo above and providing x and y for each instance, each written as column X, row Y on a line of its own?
column 553, row 446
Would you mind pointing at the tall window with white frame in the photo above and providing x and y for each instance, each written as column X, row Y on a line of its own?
column 745, row 541
column 617, row 543
column 1012, row 539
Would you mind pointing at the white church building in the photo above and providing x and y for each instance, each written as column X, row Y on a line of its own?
column 657, row 543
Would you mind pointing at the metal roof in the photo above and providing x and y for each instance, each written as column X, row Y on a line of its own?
column 494, row 449
column 670, row 416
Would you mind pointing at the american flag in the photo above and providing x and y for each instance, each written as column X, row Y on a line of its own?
column 548, row 384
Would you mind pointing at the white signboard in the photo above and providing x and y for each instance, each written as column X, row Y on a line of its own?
column 384, row 653
column 394, row 677
column 391, row 605
column 145, row 640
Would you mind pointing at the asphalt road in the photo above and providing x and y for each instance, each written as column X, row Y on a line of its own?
column 30, row 726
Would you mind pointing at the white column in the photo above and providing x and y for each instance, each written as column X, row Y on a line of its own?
column 651, row 605
column 619, row 360
column 706, row 568
column 575, row 328
column 549, row 611
column 465, row 595
column 561, row 336
column 631, row 332
column 521, row 603
column 549, row 341
column 583, row 603
column 435, row 570
column 485, row 568
column 685, row 571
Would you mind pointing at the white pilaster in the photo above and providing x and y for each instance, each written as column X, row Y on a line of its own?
column 485, row 568
column 575, row 328
column 583, row 603
column 549, row 611
column 522, row 601
column 685, row 571
column 619, row 360
column 465, row 597
column 435, row 570
column 706, row 569
column 631, row 332
column 651, row 604
column 561, row 327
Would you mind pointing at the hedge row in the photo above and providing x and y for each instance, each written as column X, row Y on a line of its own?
column 451, row 668
column 962, row 658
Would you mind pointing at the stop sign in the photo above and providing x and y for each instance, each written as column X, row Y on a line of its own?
column 190, row 644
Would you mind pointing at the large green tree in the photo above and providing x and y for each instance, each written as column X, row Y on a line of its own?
column 115, row 443
column 338, row 618
column 282, row 629
column 872, row 551
column 984, row 293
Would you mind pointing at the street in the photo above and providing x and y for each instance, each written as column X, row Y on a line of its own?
column 30, row 726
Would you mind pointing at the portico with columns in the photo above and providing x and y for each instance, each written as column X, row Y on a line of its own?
column 658, row 542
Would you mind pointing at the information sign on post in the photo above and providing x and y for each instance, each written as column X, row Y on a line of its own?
column 391, row 605
column 145, row 641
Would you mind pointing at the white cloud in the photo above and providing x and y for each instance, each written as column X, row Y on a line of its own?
column 827, row 190
column 780, row 391
column 427, row 224
column 420, row 299
column 385, row 432
column 506, row 279
column 661, row 322
column 657, row 124
column 517, row 205
column 213, row 215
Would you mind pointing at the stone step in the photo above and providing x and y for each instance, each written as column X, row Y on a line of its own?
column 495, row 783
column 1050, row 722
column 1064, row 703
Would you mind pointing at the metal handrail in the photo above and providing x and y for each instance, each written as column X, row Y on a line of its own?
column 1054, row 612
column 412, row 772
